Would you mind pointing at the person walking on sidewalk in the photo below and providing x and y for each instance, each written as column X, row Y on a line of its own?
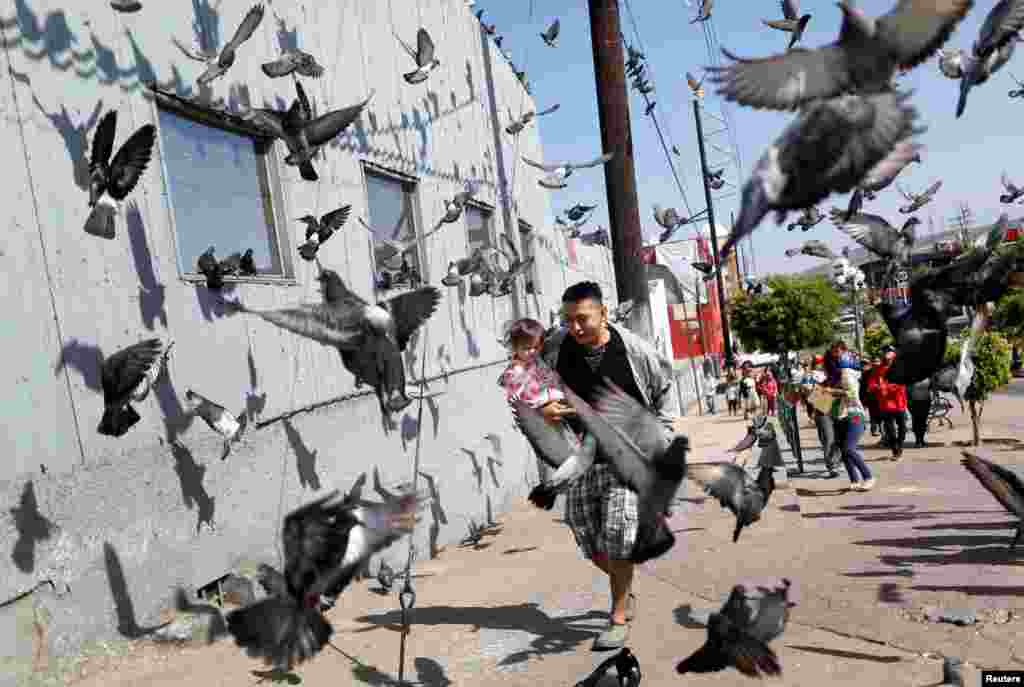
column 601, row 510
column 919, row 402
column 732, row 392
column 711, row 390
column 850, row 420
column 748, row 390
column 771, row 391
column 892, row 403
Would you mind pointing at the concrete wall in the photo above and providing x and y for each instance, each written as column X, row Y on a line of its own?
column 178, row 515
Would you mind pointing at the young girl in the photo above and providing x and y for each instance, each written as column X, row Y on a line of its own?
column 732, row 392
column 527, row 378
column 748, row 392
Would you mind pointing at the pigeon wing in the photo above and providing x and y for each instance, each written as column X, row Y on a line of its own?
column 1004, row 179
column 1000, row 482
column 270, row 121
column 551, row 109
column 626, row 458
column 130, row 162
column 511, row 248
column 123, row 371
column 596, row 162
column 785, row 81
column 623, row 411
column 913, row 30
column 862, row 228
column 335, row 219
column 327, row 325
column 723, row 481
column 314, row 539
column 409, row 311
column 282, row 66
column 424, row 48
column 553, row 30
column 999, row 25
column 323, row 129
column 103, row 139
column 882, row 174
column 772, row 613
column 546, row 168
column 303, row 100
column 245, row 30
column 933, row 189
column 546, row 439
column 407, row 47
column 780, row 24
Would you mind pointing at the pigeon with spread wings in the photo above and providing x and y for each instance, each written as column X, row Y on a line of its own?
column 127, row 376
column 729, row 483
column 552, row 446
column 997, row 40
column 558, row 172
column 388, row 252
column 809, row 218
column 423, row 56
column 520, row 124
column 882, row 175
column 814, row 248
column 792, row 22
column 918, row 200
column 550, row 34
column 1013, row 192
column 828, row 149
column 696, row 87
column 218, row 65
column 319, row 230
column 640, row 451
column 880, row 237
column 110, row 181
column 325, row 543
column 863, row 60
column 738, row 635
column 293, row 61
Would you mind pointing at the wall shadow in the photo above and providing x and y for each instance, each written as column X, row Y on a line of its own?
column 478, row 471
column 305, row 460
column 255, row 403
column 32, row 527
column 127, row 625
column 85, row 359
column 151, row 292
column 438, row 516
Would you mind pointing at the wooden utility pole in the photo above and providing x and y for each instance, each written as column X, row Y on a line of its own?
column 619, row 174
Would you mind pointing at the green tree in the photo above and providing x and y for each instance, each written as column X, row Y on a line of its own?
column 798, row 313
column 876, row 337
column 1008, row 318
column 991, row 356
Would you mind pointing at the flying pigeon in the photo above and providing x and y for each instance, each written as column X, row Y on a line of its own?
column 698, row 90
column 883, row 174
column 738, row 637
column 501, row 284
column 627, row 670
column 1002, row 483
column 127, row 376
column 1012, row 192
column 300, row 132
column 633, row 57
column 325, row 543
column 793, row 22
column 520, row 124
column 385, row 576
column 218, row 419
column 293, row 61
column 599, row 237
column 389, row 252
column 560, row 171
column 218, row 65
column 863, row 59
column 126, row 6
column 705, row 11
column 814, row 248
column 423, row 55
column 550, row 34
column 997, row 39
column 640, row 451
column 579, row 211
column 918, row 200
column 498, row 41
column 675, row 150
column 110, row 181
column 452, row 278
column 881, row 238
column 810, row 217
column 621, row 312
column 920, row 332
column 729, row 484
column 453, row 208
column 981, row 275
column 550, row 442
column 521, row 75
column 796, row 171
column 1019, row 91
column 715, row 180
column 668, row 218
column 247, row 265
column 319, row 230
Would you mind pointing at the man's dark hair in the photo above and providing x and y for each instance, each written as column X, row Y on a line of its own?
column 581, row 291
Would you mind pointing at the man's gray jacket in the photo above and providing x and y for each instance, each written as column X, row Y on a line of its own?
column 651, row 371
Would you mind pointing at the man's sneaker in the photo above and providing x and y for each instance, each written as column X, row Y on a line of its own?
column 612, row 638
column 867, row 484
column 855, row 486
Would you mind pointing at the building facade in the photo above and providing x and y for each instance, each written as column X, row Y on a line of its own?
column 121, row 522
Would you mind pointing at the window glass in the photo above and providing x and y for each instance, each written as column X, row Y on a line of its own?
column 391, row 217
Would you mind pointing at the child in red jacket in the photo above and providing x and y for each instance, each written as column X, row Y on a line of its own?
column 892, row 402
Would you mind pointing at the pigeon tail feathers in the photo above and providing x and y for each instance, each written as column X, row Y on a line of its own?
column 279, row 631
column 117, row 420
column 100, row 222
column 653, row 544
column 543, row 496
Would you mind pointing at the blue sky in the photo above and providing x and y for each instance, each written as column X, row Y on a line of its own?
column 967, row 154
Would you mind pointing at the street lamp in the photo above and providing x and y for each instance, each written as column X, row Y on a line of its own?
column 849, row 278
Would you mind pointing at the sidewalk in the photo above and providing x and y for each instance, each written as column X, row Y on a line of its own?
column 522, row 608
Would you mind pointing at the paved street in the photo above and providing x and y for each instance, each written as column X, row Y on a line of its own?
column 523, row 608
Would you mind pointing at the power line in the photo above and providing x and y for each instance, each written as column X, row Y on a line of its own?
column 653, row 114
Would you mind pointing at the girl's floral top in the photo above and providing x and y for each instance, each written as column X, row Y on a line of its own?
column 533, row 383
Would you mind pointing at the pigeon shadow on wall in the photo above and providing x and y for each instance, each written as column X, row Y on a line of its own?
column 151, row 292
column 471, row 346
column 85, row 359
column 127, row 625
column 287, row 39
column 75, row 134
column 255, row 402
column 438, row 516
column 410, row 430
column 305, row 459
column 32, row 527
